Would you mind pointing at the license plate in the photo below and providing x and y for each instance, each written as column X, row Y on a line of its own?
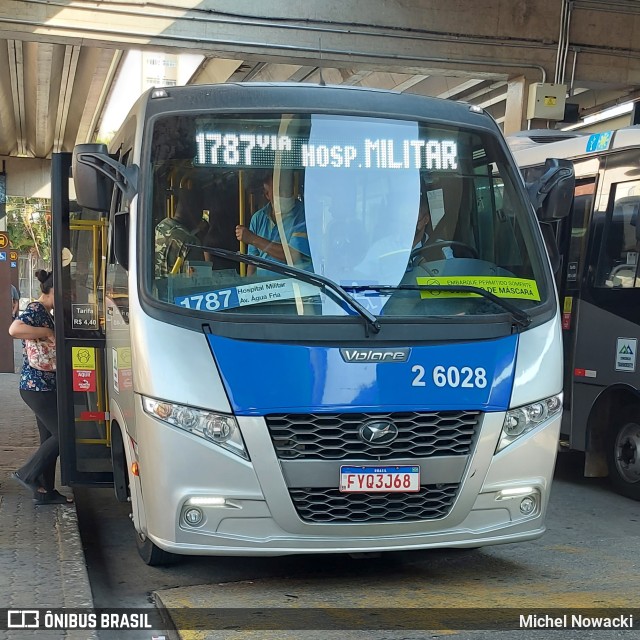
column 379, row 479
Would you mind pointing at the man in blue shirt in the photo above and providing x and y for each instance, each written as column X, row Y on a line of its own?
column 263, row 237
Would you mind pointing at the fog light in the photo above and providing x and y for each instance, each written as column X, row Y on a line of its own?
column 193, row 516
column 528, row 505
column 507, row 494
column 209, row 501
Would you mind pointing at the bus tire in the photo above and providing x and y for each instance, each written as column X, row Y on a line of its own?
column 623, row 453
column 153, row 555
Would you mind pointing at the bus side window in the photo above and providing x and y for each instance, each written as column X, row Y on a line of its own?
column 618, row 260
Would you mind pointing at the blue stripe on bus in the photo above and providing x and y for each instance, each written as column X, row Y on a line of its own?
column 262, row 378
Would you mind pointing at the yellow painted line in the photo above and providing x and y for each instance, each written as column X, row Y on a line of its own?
column 565, row 548
column 195, row 635
column 552, row 593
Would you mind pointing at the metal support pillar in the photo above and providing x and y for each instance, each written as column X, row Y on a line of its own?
column 516, row 109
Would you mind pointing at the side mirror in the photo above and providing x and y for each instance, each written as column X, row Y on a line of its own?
column 92, row 187
column 121, row 238
column 552, row 194
column 94, row 174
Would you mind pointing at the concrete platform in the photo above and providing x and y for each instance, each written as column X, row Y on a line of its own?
column 41, row 558
column 426, row 596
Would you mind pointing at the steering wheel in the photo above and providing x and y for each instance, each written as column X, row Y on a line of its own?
column 440, row 244
column 626, row 271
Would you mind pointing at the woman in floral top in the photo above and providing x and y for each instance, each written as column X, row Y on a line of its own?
column 38, row 390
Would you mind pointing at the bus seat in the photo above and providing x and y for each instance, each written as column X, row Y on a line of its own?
column 621, row 250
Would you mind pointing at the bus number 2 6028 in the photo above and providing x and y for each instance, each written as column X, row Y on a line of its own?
column 465, row 377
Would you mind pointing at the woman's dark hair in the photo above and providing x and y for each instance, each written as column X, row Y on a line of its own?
column 46, row 280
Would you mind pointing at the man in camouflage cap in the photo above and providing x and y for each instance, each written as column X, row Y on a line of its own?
column 172, row 234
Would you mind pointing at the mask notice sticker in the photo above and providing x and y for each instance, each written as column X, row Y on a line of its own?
column 626, row 349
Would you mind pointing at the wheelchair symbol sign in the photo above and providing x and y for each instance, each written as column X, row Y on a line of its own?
column 3, row 256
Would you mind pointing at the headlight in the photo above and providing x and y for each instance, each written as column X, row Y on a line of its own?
column 215, row 427
column 519, row 421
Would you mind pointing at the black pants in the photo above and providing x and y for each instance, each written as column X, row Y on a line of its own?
column 40, row 468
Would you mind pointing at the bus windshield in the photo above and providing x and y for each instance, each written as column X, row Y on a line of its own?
column 371, row 204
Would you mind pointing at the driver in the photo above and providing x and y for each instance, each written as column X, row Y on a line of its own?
column 424, row 230
column 423, row 226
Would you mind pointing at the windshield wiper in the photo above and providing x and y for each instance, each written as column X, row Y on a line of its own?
column 371, row 322
column 520, row 317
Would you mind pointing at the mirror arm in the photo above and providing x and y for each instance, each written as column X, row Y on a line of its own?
column 125, row 178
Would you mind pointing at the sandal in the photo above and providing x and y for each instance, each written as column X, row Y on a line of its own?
column 52, row 497
column 30, row 486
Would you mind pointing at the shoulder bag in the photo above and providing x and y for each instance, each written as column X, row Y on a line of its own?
column 41, row 355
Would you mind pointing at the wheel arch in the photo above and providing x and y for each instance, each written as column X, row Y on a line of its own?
column 612, row 403
column 119, row 463
column 134, row 495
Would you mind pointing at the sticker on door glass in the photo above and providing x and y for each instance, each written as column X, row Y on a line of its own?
column 626, row 349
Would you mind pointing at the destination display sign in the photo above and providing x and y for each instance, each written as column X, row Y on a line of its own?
column 234, row 149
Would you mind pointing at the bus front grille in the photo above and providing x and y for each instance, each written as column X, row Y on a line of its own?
column 331, row 506
column 336, row 436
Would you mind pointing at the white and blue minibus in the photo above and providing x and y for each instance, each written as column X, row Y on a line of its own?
column 308, row 319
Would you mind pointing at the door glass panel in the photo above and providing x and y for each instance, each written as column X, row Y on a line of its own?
column 618, row 258
column 582, row 206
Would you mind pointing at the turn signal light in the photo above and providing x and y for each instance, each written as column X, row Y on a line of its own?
column 134, row 469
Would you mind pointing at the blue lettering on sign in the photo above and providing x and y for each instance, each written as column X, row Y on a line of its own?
column 246, row 294
column 599, row 141
column 210, row 300
column 3, row 255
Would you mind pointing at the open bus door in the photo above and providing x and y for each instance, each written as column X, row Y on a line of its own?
column 79, row 247
column 573, row 248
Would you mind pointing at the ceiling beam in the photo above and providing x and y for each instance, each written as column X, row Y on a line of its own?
column 409, row 82
column 7, row 121
column 16, row 72
column 44, row 100
column 215, row 70
column 353, row 77
column 254, row 71
column 459, row 88
column 486, row 89
column 275, row 73
column 302, row 74
column 102, row 82
column 69, row 70
column 485, row 104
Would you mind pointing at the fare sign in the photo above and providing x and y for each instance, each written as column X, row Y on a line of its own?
column 379, row 479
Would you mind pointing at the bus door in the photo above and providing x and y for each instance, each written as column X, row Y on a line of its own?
column 79, row 247
column 573, row 240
